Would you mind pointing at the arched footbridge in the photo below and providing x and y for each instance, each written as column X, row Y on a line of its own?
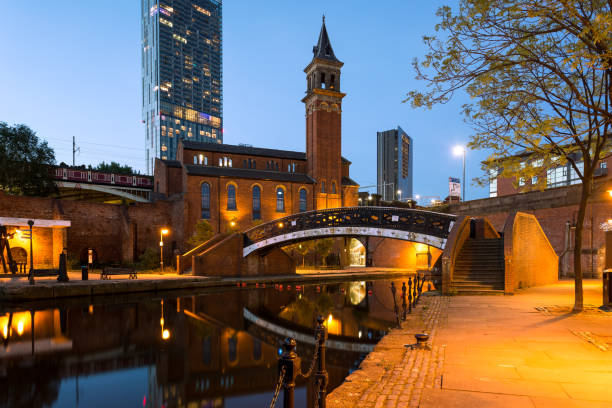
column 425, row 227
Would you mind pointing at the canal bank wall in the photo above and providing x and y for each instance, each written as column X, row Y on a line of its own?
column 18, row 289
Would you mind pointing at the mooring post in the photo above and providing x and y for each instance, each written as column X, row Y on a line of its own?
column 290, row 362
column 321, row 376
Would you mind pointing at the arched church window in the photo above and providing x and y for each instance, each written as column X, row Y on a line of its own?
column 205, row 201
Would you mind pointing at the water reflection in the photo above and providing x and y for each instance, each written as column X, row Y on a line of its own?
column 202, row 350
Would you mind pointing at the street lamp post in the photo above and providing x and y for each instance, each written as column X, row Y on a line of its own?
column 460, row 151
column 163, row 232
column 399, row 194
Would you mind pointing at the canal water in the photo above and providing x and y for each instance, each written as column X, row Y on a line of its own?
column 202, row 349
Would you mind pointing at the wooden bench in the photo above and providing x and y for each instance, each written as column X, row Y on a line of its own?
column 108, row 271
column 41, row 273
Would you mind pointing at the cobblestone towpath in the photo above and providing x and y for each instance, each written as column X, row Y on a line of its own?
column 394, row 374
column 526, row 350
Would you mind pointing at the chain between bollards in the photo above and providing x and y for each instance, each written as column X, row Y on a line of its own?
column 289, row 368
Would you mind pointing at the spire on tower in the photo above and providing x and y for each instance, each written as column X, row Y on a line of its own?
column 323, row 49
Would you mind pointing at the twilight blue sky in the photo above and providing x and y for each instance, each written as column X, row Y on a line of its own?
column 72, row 68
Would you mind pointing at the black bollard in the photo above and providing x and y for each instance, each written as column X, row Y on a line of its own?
column 414, row 290
column 404, row 300
column 290, row 362
column 321, row 377
column 84, row 272
column 395, row 308
column 409, row 295
column 62, row 276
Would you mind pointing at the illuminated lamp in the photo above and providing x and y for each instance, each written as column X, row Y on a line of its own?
column 166, row 334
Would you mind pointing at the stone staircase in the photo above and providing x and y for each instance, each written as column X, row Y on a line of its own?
column 479, row 268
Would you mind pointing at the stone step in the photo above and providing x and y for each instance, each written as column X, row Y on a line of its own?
column 477, row 287
column 477, row 277
column 481, row 292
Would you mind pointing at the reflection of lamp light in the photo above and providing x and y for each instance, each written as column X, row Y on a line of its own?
column 5, row 331
column 20, row 327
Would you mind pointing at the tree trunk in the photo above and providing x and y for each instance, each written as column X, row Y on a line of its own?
column 584, row 197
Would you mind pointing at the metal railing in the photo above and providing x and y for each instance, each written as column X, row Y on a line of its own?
column 289, row 368
column 403, row 219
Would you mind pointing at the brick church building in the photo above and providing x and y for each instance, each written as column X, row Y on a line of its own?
column 236, row 187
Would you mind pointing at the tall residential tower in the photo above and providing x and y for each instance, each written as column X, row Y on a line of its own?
column 181, row 75
column 394, row 164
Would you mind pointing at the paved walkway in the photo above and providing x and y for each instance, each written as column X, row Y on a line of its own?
column 526, row 350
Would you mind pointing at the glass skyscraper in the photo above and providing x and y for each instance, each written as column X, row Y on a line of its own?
column 181, row 75
column 394, row 164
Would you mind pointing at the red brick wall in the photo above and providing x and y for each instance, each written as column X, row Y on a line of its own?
column 221, row 217
column 238, row 160
column 323, row 152
column 114, row 231
column 530, row 259
column 553, row 208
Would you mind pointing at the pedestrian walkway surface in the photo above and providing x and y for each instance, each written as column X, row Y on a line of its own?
column 526, row 350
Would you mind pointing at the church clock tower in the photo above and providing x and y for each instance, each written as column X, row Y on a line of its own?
column 323, row 102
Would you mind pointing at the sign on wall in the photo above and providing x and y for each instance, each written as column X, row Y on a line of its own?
column 454, row 187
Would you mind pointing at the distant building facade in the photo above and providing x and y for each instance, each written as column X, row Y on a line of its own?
column 236, row 187
column 181, row 75
column 394, row 156
column 546, row 177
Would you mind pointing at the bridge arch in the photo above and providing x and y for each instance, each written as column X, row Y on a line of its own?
column 405, row 224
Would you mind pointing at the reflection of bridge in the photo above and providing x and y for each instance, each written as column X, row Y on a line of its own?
column 425, row 227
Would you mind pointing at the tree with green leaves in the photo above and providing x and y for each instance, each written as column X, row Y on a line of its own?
column 203, row 232
column 25, row 162
column 114, row 167
column 538, row 74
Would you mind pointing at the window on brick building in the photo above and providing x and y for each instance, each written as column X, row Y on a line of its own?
column 205, row 201
column 280, row 200
column 256, row 203
column 231, row 197
column 333, row 187
column 322, row 186
column 195, row 159
column 303, row 195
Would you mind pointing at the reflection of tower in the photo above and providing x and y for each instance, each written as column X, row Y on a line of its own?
column 323, row 102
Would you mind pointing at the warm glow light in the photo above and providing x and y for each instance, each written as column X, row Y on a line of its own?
column 458, row 150
column 164, row 231
column 161, row 322
column 232, row 223
column 5, row 331
column 610, row 192
column 420, row 248
column 166, row 334
column 280, row 225
column 329, row 318
column 360, row 334
column 20, row 327
column 369, row 197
